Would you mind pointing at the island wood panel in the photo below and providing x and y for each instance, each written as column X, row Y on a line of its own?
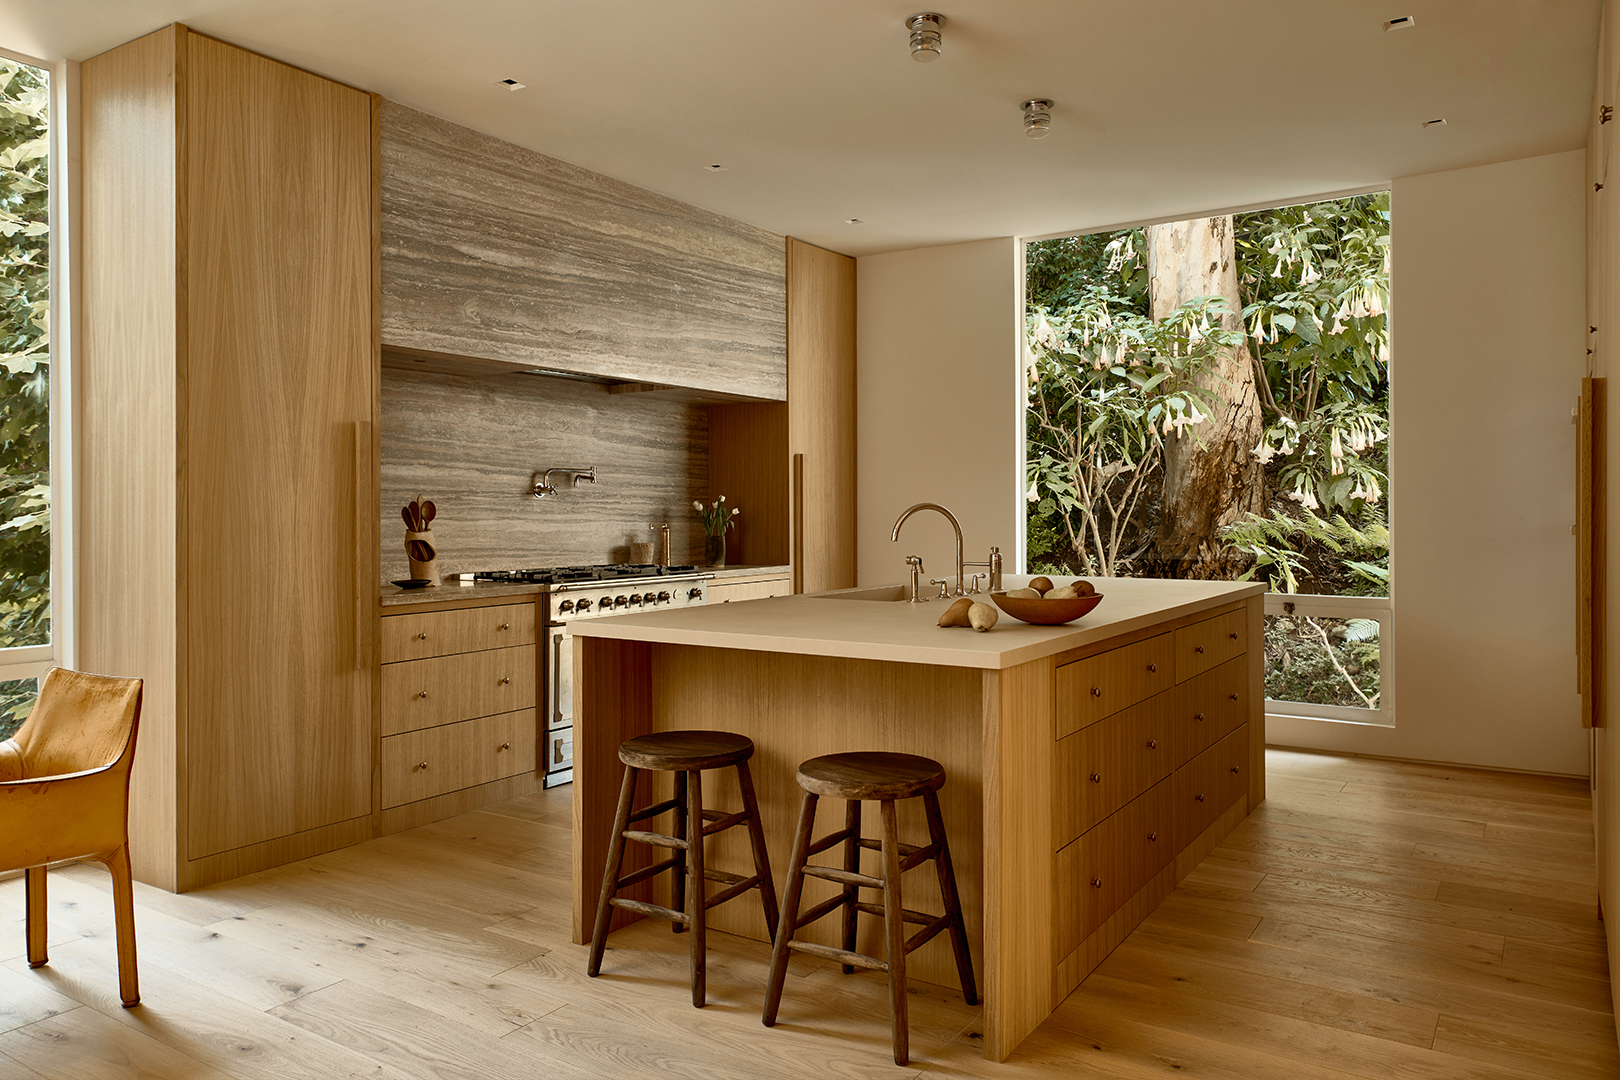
column 473, row 446
column 748, row 464
column 821, row 410
column 281, row 368
column 129, row 387
column 498, row 252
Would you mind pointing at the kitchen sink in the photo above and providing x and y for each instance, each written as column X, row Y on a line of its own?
column 880, row 592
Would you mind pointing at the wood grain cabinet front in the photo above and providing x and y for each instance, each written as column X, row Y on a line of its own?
column 421, row 764
column 1211, row 782
column 1097, row 686
column 458, row 630
column 443, row 689
column 1203, row 645
column 1209, row 707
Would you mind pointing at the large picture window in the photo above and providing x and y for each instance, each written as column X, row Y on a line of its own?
column 25, row 386
column 1209, row 399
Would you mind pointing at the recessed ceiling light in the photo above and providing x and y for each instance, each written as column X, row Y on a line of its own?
column 852, row 221
column 511, row 84
column 1440, row 122
column 1399, row 24
column 715, row 168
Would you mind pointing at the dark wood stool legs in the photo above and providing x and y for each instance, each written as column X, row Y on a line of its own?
column 896, row 859
column 692, row 824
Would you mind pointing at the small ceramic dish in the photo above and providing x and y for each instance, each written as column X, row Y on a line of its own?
column 1044, row 612
column 414, row 583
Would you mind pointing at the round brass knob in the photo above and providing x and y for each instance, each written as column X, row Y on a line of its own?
column 506, row 746
column 506, row 680
column 1096, row 778
column 422, row 636
column 1198, row 648
column 1153, row 667
column 1096, row 691
column 504, row 626
column 422, row 766
column 1153, row 744
column 1200, row 798
column 1232, row 636
column 423, row 694
column 1198, row 716
column 1153, row 837
column 1096, row 883
column 1232, row 696
column 1234, row 769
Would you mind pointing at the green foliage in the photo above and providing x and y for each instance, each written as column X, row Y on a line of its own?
column 1314, row 283
column 25, row 499
column 1323, row 661
column 17, row 697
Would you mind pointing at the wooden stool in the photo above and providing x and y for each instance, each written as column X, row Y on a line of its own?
column 884, row 778
column 686, row 754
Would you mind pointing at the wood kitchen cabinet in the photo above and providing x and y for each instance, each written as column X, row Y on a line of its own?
column 228, row 475
column 750, row 587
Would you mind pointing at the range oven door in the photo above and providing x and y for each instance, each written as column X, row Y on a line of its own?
column 559, row 713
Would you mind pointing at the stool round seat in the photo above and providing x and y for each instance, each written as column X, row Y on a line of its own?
column 871, row 775
column 686, row 751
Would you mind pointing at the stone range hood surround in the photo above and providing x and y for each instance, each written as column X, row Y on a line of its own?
column 513, row 260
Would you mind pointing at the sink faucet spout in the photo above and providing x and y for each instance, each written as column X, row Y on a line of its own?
column 950, row 517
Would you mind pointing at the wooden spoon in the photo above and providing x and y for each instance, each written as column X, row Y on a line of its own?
column 420, row 550
column 405, row 512
column 428, row 511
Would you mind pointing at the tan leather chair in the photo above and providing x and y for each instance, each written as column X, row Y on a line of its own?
column 64, row 794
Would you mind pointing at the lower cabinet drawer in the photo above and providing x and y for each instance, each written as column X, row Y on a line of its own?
column 1102, row 767
column 458, row 630
column 420, row 694
column 1211, row 782
column 422, row 764
column 1203, row 645
column 1212, row 706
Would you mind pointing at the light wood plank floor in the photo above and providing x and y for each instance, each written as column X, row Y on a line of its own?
column 1370, row 920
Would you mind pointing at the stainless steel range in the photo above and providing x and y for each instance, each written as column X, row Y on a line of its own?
column 571, row 593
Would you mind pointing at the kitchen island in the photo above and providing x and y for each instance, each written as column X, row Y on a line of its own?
column 1090, row 766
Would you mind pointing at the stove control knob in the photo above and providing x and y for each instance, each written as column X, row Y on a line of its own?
column 649, row 598
column 694, row 594
column 635, row 599
column 568, row 605
column 663, row 598
column 584, row 606
column 620, row 601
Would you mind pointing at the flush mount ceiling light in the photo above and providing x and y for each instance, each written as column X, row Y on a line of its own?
column 511, row 84
column 1401, row 23
column 1441, row 122
column 1037, row 117
column 925, row 27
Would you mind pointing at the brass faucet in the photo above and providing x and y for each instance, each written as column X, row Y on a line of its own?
column 992, row 564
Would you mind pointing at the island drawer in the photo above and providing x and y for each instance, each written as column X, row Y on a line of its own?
column 1098, row 872
column 1211, row 706
column 1203, row 645
column 1097, row 686
column 1210, row 783
column 441, row 633
column 422, row 764
column 1100, row 768
column 420, row 694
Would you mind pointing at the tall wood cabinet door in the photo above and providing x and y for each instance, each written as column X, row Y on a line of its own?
column 821, row 416
column 278, row 376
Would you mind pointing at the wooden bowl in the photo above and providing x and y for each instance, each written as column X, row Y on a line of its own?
column 1043, row 612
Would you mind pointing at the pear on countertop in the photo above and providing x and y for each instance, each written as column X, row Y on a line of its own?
column 957, row 614
column 982, row 617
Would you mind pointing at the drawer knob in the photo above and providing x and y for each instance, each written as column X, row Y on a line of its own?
column 1233, row 636
column 1198, row 716
column 1096, row 691
column 423, row 694
column 506, row 680
column 422, row 636
column 1153, row 837
column 1198, row 649
column 506, row 746
column 1234, row 770
column 508, row 626
column 1200, row 798
column 1153, row 668
column 1153, row 744
column 1232, row 696
column 1096, row 883
column 422, row 766
column 1096, row 778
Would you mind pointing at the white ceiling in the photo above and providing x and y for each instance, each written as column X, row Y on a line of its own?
column 1163, row 107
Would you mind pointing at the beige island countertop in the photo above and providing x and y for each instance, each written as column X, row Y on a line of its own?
column 860, row 624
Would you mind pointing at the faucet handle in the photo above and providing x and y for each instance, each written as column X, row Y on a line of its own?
column 974, row 591
column 944, row 586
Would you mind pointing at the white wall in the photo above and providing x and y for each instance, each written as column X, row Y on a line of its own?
column 939, row 409
column 1488, row 334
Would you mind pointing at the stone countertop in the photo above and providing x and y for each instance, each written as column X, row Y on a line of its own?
column 451, row 591
column 841, row 624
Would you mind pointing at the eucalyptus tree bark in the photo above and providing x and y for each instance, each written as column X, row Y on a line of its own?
column 1211, row 476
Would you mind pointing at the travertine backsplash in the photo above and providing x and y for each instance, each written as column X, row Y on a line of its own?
column 472, row 446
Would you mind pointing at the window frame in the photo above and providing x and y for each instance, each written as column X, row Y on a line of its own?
column 33, row 661
column 1382, row 609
